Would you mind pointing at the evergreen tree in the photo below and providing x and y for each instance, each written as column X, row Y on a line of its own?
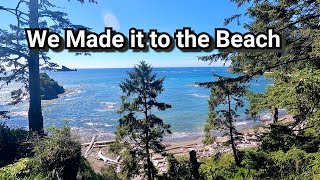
column 25, row 63
column 299, row 23
column 140, row 132
column 262, row 102
column 224, row 101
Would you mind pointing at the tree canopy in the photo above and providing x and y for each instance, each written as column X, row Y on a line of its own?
column 20, row 64
column 138, row 124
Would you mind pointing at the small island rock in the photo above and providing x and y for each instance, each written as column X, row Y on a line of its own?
column 49, row 88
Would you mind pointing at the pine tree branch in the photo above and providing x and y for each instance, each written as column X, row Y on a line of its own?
column 13, row 52
column 13, row 76
column 13, row 11
column 298, row 21
column 246, row 77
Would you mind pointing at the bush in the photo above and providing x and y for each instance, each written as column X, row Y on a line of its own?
column 280, row 138
column 293, row 164
column 14, row 144
column 219, row 167
column 16, row 170
column 86, row 172
column 57, row 155
column 178, row 169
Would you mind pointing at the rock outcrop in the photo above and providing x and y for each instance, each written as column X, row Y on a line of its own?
column 50, row 89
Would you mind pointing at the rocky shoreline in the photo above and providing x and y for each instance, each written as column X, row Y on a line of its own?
column 182, row 148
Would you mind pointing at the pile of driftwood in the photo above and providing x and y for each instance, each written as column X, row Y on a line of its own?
column 158, row 160
column 100, row 144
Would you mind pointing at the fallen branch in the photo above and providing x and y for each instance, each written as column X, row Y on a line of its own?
column 99, row 143
column 106, row 160
column 90, row 145
column 99, row 146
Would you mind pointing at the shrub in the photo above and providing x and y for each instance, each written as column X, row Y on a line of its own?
column 178, row 169
column 57, row 155
column 14, row 144
column 280, row 138
column 293, row 164
column 85, row 171
column 219, row 167
column 16, row 170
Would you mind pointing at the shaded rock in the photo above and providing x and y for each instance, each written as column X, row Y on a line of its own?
column 49, row 88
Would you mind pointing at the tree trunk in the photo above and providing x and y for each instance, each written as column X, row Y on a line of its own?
column 234, row 149
column 233, row 146
column 149, row 171
column 194, row 164
column 275, row 114
column 34, row 113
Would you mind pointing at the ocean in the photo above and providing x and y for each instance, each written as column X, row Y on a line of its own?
column 93, row 99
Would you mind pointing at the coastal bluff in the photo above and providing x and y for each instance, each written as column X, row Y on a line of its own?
column 49, row 88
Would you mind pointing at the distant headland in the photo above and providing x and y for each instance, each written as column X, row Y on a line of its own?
column 64, row 68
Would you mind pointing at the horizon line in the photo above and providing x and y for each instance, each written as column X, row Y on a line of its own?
column 153, row 67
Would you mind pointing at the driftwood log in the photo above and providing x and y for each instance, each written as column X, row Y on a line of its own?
column 86, row 154
column 99, row 143
column 105, row 159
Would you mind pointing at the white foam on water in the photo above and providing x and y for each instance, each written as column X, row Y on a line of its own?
column 177, row 135
column 107, row 106
column 193, row 85
column 5, row 92
column 99, row 124
column 19, row 114
column 199, row 95
column 70, row 99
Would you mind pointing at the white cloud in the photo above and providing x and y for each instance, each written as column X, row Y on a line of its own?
column 110, row 20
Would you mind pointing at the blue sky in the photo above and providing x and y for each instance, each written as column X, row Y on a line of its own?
column 165, row 16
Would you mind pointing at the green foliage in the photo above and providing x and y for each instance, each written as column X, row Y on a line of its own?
column 178, row 169
column 16, row 170
column 14, row 144
column 297, row 92
column 85, row 172
column 138, row 125
column 293, row 70
column 49, row 88
column 280, row 138
column 289, row 151
column 223, row 167
column 208, row 127
column 294, row 164
column 316, row 44
column 17, row 62
column 57, row 155
column 225, row 99
column 130, row 163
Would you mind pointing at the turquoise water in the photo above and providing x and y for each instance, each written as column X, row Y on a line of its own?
column 94, row 99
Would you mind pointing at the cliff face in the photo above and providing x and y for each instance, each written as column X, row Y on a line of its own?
column 50, row 89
